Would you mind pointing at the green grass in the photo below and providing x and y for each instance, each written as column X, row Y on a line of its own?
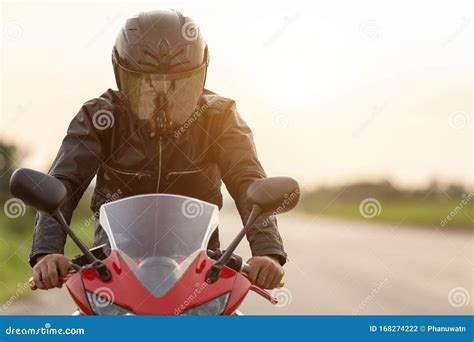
column 13, row 265
column 15, row 247
column 427, row 212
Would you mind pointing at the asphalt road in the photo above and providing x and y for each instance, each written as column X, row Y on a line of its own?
column 345, row 267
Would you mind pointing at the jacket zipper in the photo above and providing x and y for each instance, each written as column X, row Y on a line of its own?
column 159, row 163
column 184, row 172
column 128, row 173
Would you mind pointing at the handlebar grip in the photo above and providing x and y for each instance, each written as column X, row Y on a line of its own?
column 234, row 262
column 246, row 269
column 31, row 284
column 72, row 269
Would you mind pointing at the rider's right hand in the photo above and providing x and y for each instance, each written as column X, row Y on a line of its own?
column 49, row 271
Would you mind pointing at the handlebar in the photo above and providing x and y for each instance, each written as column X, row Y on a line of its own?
column 72, row 268
column 236, row 263
column 245, row 268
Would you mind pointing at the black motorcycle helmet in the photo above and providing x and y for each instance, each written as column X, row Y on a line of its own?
column 160, row 62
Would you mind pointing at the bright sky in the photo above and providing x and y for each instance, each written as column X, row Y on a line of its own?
column 333, row 92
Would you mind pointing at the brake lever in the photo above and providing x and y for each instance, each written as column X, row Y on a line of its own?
column 264, row 293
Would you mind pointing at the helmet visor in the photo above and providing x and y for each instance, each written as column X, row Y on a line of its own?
column 177, row 95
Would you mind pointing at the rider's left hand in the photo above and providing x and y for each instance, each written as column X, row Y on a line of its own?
column 265, row 271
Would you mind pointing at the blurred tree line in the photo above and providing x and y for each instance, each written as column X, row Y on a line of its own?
column 11, row 157
column 8, row 155
column 436, row 205
column 385, row 190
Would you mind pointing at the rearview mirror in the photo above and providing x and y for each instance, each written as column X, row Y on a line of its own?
column 274, row 195
column 38, row 190
column 46, row 193
column 268, row 195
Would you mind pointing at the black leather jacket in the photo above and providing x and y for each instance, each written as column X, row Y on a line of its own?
column 215, row 144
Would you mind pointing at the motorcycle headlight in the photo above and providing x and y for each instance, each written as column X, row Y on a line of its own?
column 103, row 306
column 214, row 307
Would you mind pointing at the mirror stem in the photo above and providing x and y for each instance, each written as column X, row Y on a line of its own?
column 96, row 263
column 215, row 270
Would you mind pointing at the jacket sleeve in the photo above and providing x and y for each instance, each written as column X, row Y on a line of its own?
column 237, row 159
column 75, row 165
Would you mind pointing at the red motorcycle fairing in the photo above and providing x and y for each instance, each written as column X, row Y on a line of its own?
column 76, row 289
column 125, row 290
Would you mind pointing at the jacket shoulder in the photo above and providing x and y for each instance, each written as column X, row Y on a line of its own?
column 101, row 112
column 107, row 101
column 214, row 103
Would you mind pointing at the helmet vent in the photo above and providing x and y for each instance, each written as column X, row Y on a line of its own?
column 164, row 48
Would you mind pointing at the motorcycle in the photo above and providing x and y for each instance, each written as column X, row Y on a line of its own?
column 156, row 262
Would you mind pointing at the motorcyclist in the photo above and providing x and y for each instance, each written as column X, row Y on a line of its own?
column 161, row 132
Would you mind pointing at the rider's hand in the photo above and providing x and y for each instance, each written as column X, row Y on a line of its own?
column 49, row 271
column 265, row 271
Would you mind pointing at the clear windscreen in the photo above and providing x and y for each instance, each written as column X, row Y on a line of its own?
column 158, row 235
